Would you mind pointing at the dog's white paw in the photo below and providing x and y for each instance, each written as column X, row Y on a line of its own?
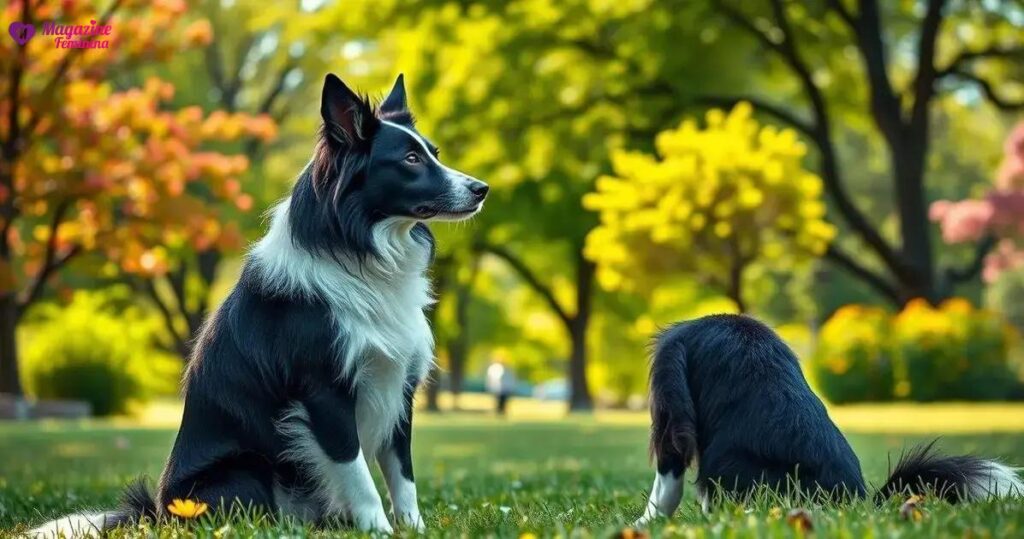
column 646, row 519
column 372, row 519
column 412, row 521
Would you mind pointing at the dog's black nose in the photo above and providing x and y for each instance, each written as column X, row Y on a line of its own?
column 479, row 189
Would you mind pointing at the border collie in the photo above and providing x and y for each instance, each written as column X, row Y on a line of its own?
column 307, row 371
column 728, row 396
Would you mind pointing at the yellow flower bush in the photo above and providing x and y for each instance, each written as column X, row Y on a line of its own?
column 853, row 361
column 923, row 353
column 715, row 198
column 953, row 351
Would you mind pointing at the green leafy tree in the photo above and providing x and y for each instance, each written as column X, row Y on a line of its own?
column 946, row 48
column 532, row 97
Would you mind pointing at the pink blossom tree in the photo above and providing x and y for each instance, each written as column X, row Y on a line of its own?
column 996, row 221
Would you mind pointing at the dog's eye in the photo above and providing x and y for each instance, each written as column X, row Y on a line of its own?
column 412, row 158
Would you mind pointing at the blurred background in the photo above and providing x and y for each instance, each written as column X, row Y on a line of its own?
column 851, row 174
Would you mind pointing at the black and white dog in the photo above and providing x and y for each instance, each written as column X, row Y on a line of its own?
column 728, row 396
column 306, row 373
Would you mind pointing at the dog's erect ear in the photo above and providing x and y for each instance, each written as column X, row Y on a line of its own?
column 395, row 102
column 348, row 118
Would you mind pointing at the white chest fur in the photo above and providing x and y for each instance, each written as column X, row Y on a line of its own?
column 377, row 308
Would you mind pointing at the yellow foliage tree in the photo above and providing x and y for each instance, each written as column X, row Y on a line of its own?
column 715, row 201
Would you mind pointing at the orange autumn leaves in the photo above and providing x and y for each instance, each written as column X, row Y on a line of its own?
column 123, row 172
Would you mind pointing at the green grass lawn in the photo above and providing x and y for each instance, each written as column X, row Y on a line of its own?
column 478, row 476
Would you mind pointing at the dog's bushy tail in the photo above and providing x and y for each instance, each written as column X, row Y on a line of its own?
column 673, row 417
column 136, row 503
column 961, row 478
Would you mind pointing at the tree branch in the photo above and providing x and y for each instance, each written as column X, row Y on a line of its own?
column 214, row 64
column 843, row 12
column 878, row 282
column 229, row 95
column 176, row 278
column 971, row 270
column 520, row 267
column 769, row 109
column 885, row 105
column 149, row 287
column 990, row 92
column 822, row 136
column 275, row 91
column 58, row 75
column 10, row 145
column 967, row 56
column 252, row 145
column 924, row 81
column 51, row 260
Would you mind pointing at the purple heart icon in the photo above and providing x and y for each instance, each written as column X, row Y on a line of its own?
column 21, row 32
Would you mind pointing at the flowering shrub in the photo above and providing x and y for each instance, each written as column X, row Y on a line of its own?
column 91, row 350
column 997, row 214
column 715, row 199
column 852, row 361
column 923, row 353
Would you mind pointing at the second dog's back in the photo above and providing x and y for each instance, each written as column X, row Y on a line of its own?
column 726, row 389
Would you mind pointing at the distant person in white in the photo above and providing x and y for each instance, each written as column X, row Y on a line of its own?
column 501, row 382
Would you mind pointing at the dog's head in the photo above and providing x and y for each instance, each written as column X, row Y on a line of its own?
column 372, row 165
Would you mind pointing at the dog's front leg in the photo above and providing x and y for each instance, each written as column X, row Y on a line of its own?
column 324, row 437
column 395, row 460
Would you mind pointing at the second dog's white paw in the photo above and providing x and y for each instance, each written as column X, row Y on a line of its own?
column 412, row 521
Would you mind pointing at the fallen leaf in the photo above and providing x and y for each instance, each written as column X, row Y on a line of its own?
column 630, row 533
column 800, row 520
column 911, row 509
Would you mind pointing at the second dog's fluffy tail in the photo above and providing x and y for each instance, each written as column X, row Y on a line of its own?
column 136, row 503
column 962, row 478
column 673, row 417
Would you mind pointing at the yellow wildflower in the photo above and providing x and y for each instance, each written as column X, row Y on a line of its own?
column 187, row 508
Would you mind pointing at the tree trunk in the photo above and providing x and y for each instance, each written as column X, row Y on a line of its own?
column 458, row 346
column 734, row 289
column 10, row 381
column 441, row 278
column 432, row 388
column 908, row 165
column 456, row 370
column 579, row 390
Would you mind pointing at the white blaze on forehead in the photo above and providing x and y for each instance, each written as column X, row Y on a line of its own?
column 423, row 143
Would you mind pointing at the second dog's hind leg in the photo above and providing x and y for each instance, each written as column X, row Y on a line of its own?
column 673, row 428
column 665, row 496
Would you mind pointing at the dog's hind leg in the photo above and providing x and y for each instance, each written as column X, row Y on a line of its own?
column 673, row 428
column 665, row 496
column 321, row 436
column 245, row 481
